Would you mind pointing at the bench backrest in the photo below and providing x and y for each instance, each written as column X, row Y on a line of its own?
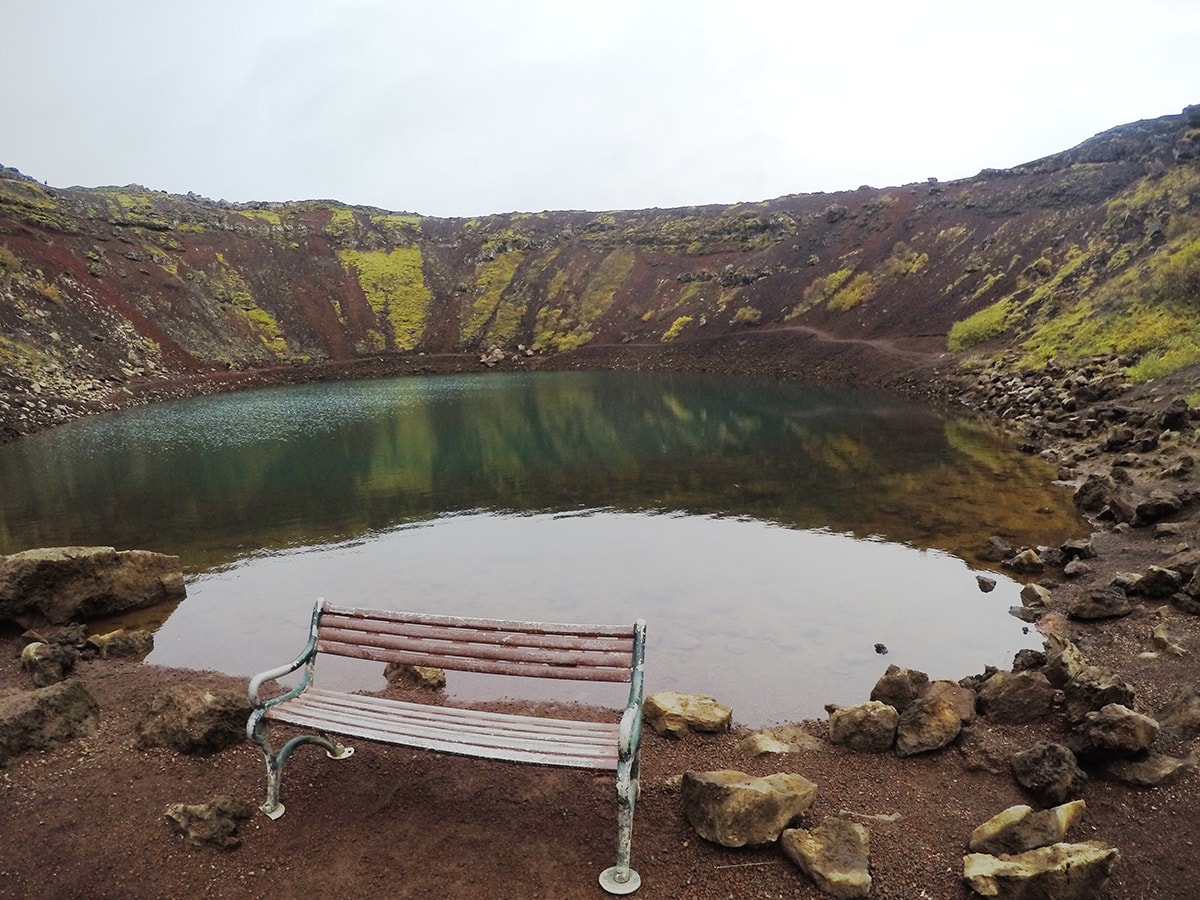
column 491, row 646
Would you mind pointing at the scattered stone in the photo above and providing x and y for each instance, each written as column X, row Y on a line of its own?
column 836, row 855
column 48, row 663
column 1060, row 871
column 1160, row 504
column 997, row 549
column 899, row 687
column 1034, row 595
column 214, row 823
column 1016, row 697
column 1050, row 772
column 1065, row 660
column 1162, row 638
column 927, row 724
column 674, row 713
column 1019, row 828
column 188, row 719
column 1114, row 730
column 1099, row 603
column 734, row 809
column 1156, row 770
column 987, row 585
column 869, row 727
column 428, row 677
column 120, row 643
column 42, row 718
column 64, row 584
column 1027, row 562
column 1076, row 568
column 961, row 699
column 1159, row 582
column 1094, row 687
column 781, row 739
column 1180, row 716
column 1027, row 658
column 1079, row 548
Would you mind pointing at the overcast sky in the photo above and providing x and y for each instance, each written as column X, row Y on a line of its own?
column 464, row 108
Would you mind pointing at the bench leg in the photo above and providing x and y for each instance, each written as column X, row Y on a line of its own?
column 259, row 732
column 621, row 879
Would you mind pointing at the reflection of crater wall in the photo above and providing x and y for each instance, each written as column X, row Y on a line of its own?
column 331, row 462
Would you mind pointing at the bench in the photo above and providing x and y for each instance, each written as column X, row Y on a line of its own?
column 492, row 646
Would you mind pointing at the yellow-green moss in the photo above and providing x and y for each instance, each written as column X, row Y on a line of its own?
column 342, row 222
column 861, row 287
column 676, row 328
column 394, row 284
column 820, row 291
column 492, row 316
column 989, row 322
column 267, row 329
column 599, row 292
column 262, row 215
column 746, row 315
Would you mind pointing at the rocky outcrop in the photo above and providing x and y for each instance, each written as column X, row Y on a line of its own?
column 65, row 584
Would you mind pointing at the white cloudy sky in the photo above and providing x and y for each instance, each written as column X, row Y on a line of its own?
column 462, row 108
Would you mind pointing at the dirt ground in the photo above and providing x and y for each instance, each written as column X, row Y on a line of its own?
column 86, row 819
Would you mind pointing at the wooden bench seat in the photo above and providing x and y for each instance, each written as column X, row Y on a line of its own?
column 490, row 646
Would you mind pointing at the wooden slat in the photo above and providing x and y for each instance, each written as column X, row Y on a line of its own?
column 486, row 624
column 484, row 666
column 607, row 643
column 561, row 742
column 468, row 649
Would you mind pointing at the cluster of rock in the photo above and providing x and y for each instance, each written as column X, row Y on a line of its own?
column 1020, row 852
column 1057, row 404
column 496, row 355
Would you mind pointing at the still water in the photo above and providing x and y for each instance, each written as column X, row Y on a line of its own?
column 771, row 534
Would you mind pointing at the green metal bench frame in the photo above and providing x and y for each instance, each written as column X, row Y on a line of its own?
column 493, row 646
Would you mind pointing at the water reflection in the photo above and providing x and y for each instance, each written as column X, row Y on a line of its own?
column 215, row 478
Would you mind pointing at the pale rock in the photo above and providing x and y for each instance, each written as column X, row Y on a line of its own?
column 869, row 727
column 1100, row 603
column 1060, row 872
column 674, row 713
column 214, row 823
column 1094, row 687
column 1019, row 828
column 428, row 677
column 124, row 642
column 1034, row 595
column 734, row 809
column 46, row 717
column 47, row 663
column 190, row 719
column 961, row 699
column 836, row 855
column 926, row 725
column 1155, row 770
column 1016, row 697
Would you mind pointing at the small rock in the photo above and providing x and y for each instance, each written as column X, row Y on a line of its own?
column 1100, row 603
column 1155, row 770
column 986, row 585
column 1060, row 871
column 214, row 823
column 428, row 677
column 734, row 809
column 927, row 724
column 1019, row 828
column 899, row 687
column 1034, row 595
column 1016, row 697
column 1050, row 772
column 674, row 713
column 868, row 727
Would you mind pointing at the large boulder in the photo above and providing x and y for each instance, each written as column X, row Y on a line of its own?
column 734, row 809
column 194, row 720
column 673, row 713
column 836, row 855
column 63, row 584
column 35, row 720
column 1060, row 871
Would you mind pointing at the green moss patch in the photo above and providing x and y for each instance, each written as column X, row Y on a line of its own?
column 394, row 284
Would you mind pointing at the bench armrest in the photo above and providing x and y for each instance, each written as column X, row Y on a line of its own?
column 306, row 657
